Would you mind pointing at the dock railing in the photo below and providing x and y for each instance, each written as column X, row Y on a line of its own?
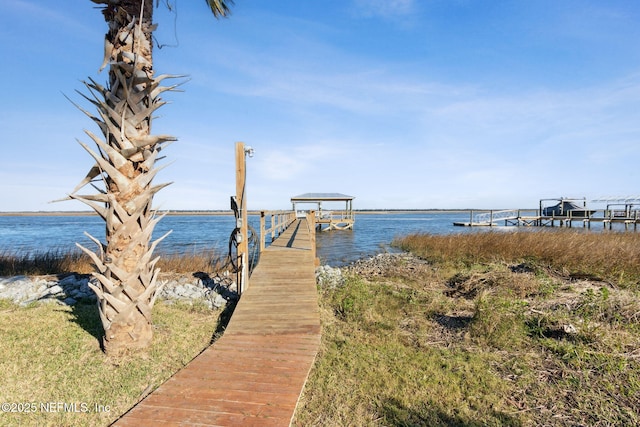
column 311, row 223
column 490, row 217
column 279, row 220
column 339, row 215
column 564, row 218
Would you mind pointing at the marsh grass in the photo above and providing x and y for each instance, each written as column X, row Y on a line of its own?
column 41, row 263
column 610, row 256
column 520, row 329
column 60, row 262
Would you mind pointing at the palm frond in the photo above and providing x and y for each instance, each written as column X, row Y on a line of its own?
column 220, row 8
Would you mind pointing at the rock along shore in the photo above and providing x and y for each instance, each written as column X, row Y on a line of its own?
column 71, row 289
column 378, row 265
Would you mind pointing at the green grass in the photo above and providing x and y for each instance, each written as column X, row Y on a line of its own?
column 506, row 337
column 50, row 355
column 378, row 367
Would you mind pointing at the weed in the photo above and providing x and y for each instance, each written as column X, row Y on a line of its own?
column 499, row 322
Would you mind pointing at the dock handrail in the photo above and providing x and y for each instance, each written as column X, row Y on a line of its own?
column 280, row 220
column 339, row 214
column 493, row 216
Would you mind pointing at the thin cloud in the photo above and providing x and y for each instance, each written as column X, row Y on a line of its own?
column 289, row 164
column 384, row 8
column 50, row 16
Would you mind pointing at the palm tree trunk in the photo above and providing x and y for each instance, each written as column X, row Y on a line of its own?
column 126, row 278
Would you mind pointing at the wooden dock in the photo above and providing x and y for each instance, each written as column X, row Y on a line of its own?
column 533, row 218
column 254, row 374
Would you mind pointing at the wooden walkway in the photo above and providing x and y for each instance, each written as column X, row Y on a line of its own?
column 254, row 374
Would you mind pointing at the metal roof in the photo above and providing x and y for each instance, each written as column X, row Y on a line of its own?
column 321, row 197
column 623, row 199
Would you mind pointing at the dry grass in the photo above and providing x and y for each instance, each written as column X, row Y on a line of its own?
column 610, row 256
column 59, row 262
column 41, row 263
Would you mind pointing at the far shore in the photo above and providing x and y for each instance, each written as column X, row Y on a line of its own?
column 251, row 212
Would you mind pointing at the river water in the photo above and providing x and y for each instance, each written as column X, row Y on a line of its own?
column 372, row 233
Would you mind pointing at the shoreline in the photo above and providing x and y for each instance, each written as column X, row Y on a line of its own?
column 229, row 212
column 70, row 288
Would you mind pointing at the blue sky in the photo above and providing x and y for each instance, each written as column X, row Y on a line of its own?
column 401, row 103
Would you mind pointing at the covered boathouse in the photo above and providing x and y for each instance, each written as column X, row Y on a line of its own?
column 335, row 219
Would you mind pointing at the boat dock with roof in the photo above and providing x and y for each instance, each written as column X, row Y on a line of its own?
column 564, row 212
column 336, row 219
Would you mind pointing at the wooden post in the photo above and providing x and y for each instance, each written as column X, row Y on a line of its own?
column 241, row 199
column 262, row 233
column 273, row 227
column 311, row 220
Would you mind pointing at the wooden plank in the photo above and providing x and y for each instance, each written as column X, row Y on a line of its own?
column 255, row 373
column 153, row 416
column 222, row 406
column 239, row 374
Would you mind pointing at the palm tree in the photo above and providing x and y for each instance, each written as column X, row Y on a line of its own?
column 125, row 155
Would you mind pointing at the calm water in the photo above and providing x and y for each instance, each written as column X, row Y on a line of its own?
column 372, row 234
